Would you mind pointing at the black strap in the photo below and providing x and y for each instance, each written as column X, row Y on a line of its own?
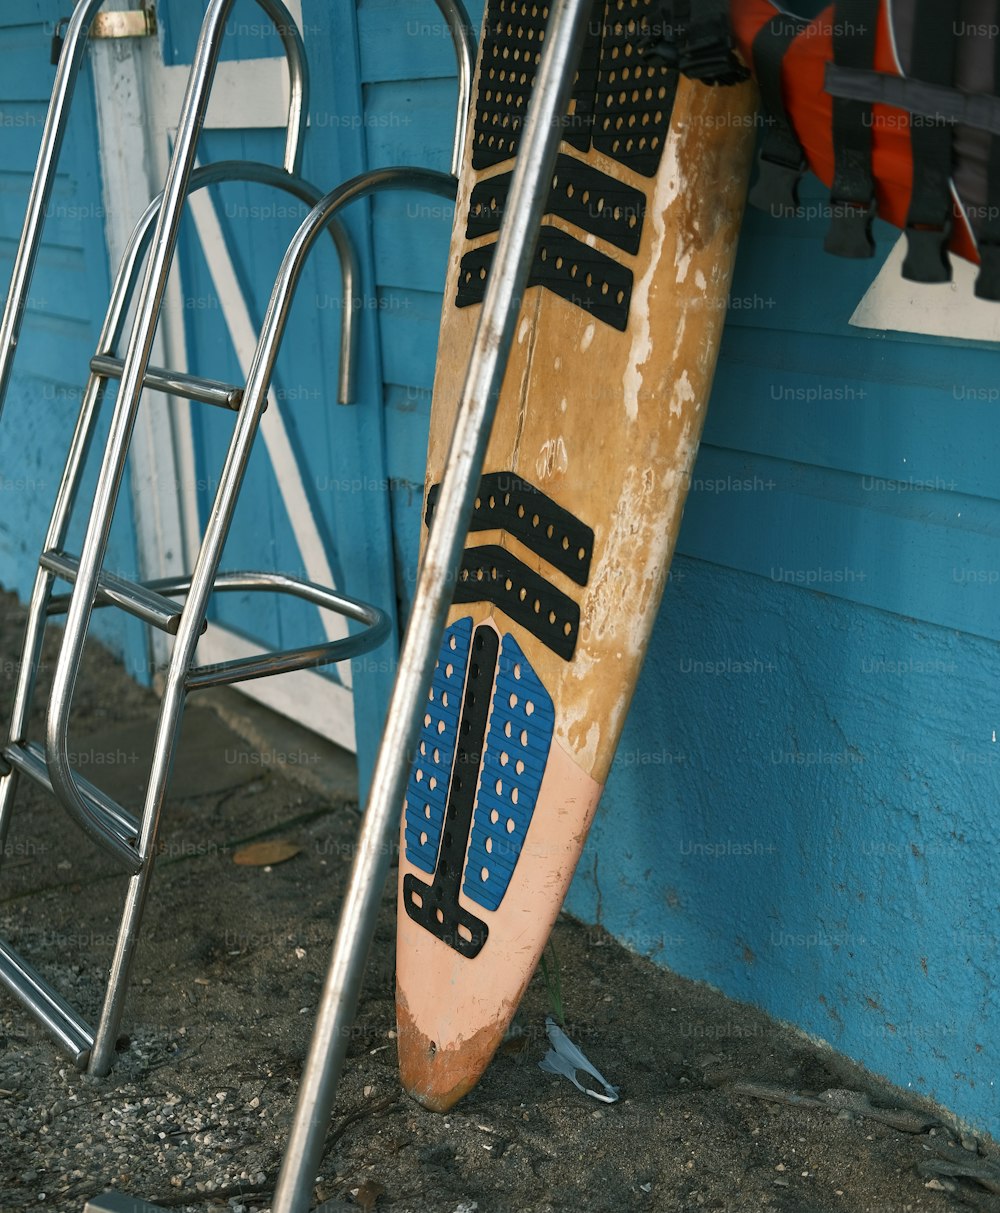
column 694, row 37
column 978, row 110
column 929, row 220
column 782, row 160
column 988, row 278
column 708, row 55
column 852, row 194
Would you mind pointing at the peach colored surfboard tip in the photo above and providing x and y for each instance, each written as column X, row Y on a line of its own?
column 438, row 1078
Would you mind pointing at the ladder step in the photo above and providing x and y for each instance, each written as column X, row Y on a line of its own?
column 176, row 383
column 117, row 823
column 51, row 1010
column 131, row 596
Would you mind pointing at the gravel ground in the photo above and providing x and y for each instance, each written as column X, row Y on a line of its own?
column 720, row 1109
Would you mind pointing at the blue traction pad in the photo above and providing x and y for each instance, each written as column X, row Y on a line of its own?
column 517, row 747
column 427, row 791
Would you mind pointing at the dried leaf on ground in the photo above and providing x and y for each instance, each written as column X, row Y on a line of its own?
column 264, row 854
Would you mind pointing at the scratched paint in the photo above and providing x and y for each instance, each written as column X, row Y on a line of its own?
column 552, row 458
column 668, row 186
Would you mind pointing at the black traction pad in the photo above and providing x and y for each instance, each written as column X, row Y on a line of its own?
column 507, row 502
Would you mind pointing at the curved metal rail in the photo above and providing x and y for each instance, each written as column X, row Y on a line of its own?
column 136, row 249
column 464, row 43
column 204, row 577
column 266, row 174
column 136, row 360
column 56, row 118
column 262, row 174
column 74, row 45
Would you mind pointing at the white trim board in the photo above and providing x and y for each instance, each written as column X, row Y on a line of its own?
column 948, row 309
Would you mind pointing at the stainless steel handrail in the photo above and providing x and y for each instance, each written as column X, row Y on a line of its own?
column 261, row 173
column 74, row 45
column 136, row 359
column 67, row 665
column 298, row 81
column 67, row 493
column 206, row 569
column 242, row 669
column 464, row 43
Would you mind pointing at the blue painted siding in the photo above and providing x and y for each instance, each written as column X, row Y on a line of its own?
column 340, row 450
column 66, row 305
column 801, row 812
column 801, row 806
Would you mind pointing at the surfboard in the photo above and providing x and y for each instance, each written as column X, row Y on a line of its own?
column 578, row 509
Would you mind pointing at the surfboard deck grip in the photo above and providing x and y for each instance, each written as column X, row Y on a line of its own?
column 436, row 906
column 508, row 502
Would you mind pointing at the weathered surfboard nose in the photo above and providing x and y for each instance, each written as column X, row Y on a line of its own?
column 438, row 1078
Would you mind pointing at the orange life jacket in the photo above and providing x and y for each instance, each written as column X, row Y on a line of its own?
column 895, row 104
column 901, row 119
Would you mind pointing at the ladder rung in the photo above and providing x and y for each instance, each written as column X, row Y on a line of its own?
column 51, row 1010
column 119, row 826
column 131, row 596
column 176, row 383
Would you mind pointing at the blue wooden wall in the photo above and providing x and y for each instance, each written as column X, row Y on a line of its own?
column 804, row 804
column 407, row 65
column 65, row 308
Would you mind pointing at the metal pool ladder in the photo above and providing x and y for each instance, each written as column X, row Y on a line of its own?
column 176, row 606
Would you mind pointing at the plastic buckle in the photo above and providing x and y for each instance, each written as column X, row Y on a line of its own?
column 927, row 254
column 776, row 189
column 660, row 51
column 708, row 54
column 850, row 230
column 988, row 279
column 662, row 35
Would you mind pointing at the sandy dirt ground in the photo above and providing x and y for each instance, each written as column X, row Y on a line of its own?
column 720, row 1108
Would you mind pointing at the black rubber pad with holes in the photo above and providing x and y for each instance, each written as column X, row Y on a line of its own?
column 562, row 264
column 582, row 195
column 507, row 502
column 491, row 574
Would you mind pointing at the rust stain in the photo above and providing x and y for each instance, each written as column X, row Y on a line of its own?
column 438, row 1078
